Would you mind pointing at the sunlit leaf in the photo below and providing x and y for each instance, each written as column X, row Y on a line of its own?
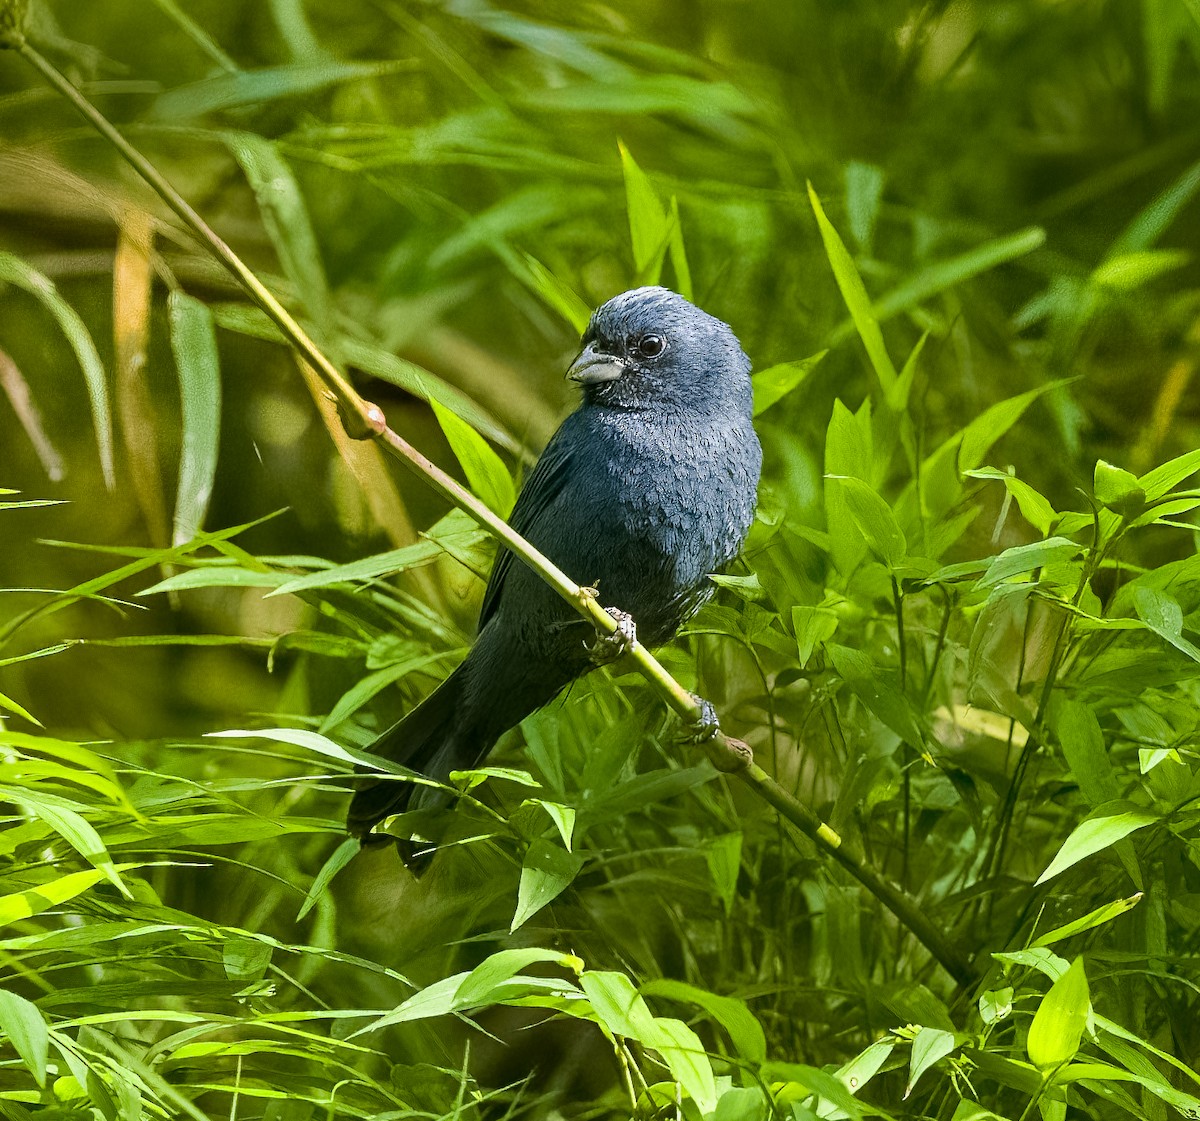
column 649, row 227
column 1091, row 920
column 1058, row 1024
column 929, row 1046
column 24, row 904
column 1095, row 835
column 25, row 1027
column 486, row 474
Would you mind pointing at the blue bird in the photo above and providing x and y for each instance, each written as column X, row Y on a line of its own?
column 643, row 491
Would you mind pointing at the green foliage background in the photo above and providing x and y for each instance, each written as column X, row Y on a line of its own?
column 964, row 633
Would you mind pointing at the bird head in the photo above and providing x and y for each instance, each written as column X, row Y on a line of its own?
column 650, row 347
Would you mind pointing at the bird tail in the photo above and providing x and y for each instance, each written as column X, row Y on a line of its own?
column 413, row 741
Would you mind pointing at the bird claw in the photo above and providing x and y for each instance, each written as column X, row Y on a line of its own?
column 706, row 725
column 608, row 648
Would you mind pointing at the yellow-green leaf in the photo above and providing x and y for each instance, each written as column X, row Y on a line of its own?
column 485, row 470
column 1059, row 1021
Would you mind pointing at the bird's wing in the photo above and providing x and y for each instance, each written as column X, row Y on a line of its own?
column 546, row 481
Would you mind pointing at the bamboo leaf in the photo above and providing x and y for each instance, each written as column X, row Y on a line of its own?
column 25, row 1026
column 486, row 474
column 256, row 87
column 1095, row 835
column 194, row 343
column 1059, row 1021
column 546, row 872
column 855, row 295
column 776, row 382
column 16, row 272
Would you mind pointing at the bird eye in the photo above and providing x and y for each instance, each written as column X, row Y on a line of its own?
column 650, row 346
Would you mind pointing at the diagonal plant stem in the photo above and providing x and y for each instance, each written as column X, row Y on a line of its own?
column 364, row 420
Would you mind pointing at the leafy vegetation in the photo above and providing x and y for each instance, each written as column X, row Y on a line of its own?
column 956, row 238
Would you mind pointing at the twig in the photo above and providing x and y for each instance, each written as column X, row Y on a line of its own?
column 365, row 420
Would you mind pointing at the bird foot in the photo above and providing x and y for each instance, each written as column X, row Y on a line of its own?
column 706, row 725
column 608, row 648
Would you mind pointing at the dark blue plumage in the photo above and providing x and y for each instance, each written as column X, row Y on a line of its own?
column 642, row 492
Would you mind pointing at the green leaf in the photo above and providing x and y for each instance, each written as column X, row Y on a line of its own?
column 562, row 816
column 285, row 216
column 855, row 296
column 197, row 34
column 1035, row 508
column 618, row 1005
column 492, row 981
column 996, row 1005
column 855, row 1074
column 23, row 904
column 1117, row 490
column 1082, row 741
column 25, row 1026
column 546, row 872
column 480, row 985
column 16, row 272
column 1023, row 559
column 875, row 521
column 622, row 1011
column 194, row 344
column 814, row 626
column 733, row 1015
column 8, row 703
column 338, row 859
column 246, row 959
column 1156, row 218
column 468, row 780
column 456, row 530
column 1091, row 920
column 679, row 261
column 649, row 227
column 1163, row 615
column 555, row 293
column 313, row 741
column 776, row 382
column 217, row 576
column 877, row 692
column 486, row 474
column 684, row 1054
column 79, row 833
column 849, row 451
column 864, row 191
column 256, row 87
column 1163, row 479
column 942, row 275
column 929, row 1046
column 723, row 855
column 374, row 683
column 1129, row 271
column 1095, row 835
column 1059, row 1021
column 979, row 436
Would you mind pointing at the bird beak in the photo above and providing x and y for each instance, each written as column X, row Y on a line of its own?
column 594, row 368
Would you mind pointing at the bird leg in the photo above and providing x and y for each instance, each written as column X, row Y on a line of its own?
column 606, row 648
column 705, row 726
